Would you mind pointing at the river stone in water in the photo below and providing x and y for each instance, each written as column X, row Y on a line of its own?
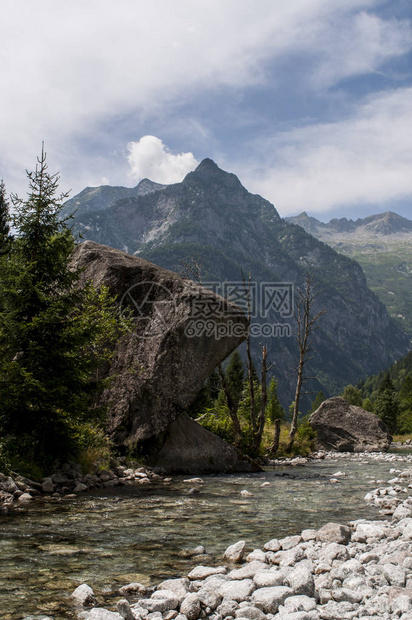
column 83, row 595
column 346, row 428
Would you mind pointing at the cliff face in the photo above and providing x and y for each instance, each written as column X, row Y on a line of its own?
column 212, row 218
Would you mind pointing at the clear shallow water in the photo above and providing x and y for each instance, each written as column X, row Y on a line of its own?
column 113, row 537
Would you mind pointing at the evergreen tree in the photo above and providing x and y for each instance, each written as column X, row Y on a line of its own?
column 320, row 398
column 405, row 393
column 53, row 335
column 387, row 404
column 235, row 376
column 353, row 395
column 367, row 405
column 5, row 237
column 274, row 410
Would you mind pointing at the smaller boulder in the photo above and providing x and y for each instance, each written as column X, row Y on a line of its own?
column 84, row 595
column 235, row 552
column 334, row 533
column 342, row 427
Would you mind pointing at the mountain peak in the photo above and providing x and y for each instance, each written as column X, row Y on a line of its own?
column 207, row 164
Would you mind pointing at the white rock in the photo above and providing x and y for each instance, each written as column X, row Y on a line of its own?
column 172, row 599
column 270, row 578
column 249, row 570
column 290, row 541
column 308, row 535
column 334, row 532
column 334, row 551
column 191, row 606
column 291, row 557
column 237, row 590
column 201, row 572
column 235, row 552
column 98, row 613
column 246, row 493
column 401, row 512
column 301, row 581
column 395, row 575
column 157, row 604
column 194, row 481
column 269, row 599
column 272, row 545
column 251, row 612
column 256, row 555
column 179, row 587
column 344, row 594
column 209, row 596
column 299, row 603
column 132, row 588
column 84, row 595
column 368, row 530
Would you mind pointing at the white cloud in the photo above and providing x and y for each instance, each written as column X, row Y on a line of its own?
column 72, row 72
column 150, row 158
column 365, row 159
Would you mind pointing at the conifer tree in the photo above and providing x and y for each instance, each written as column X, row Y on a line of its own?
column 5, row 237
column 52, row 332
column 387, row 404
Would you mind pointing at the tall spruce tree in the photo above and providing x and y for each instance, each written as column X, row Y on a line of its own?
column 387, row 404
column 5, row 236
column 51, row 340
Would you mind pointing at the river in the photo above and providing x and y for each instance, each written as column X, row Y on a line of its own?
column 112, row 537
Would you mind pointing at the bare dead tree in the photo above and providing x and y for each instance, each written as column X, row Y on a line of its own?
column 191, row 269
column 249, row 363
column 305, row 326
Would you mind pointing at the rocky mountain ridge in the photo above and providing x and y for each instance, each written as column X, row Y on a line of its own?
column 382, row 224
column 212, row 218
column 382, row 245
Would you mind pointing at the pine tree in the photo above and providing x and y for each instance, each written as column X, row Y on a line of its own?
column 52, row 333
column 320, row 398
column 5, row 237
column 387, row 404
column 353, row 395
column 235, row 376
column 274, row 410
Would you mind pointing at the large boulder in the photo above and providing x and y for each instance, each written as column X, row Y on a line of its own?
column 180, row 331
column 347, row 428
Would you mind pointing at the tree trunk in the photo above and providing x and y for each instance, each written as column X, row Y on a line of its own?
column 257, row 437
column 275, row 445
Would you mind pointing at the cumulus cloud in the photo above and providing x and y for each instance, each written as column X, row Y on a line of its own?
column 365, row 159
column 150, row 158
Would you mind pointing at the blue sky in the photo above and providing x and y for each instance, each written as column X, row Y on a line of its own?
column 309, row 102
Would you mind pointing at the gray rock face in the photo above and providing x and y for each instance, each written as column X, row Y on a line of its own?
column 347, row 428
column 159, row 367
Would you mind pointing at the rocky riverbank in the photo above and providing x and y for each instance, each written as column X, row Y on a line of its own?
column 17, row 491
column 358, row 570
